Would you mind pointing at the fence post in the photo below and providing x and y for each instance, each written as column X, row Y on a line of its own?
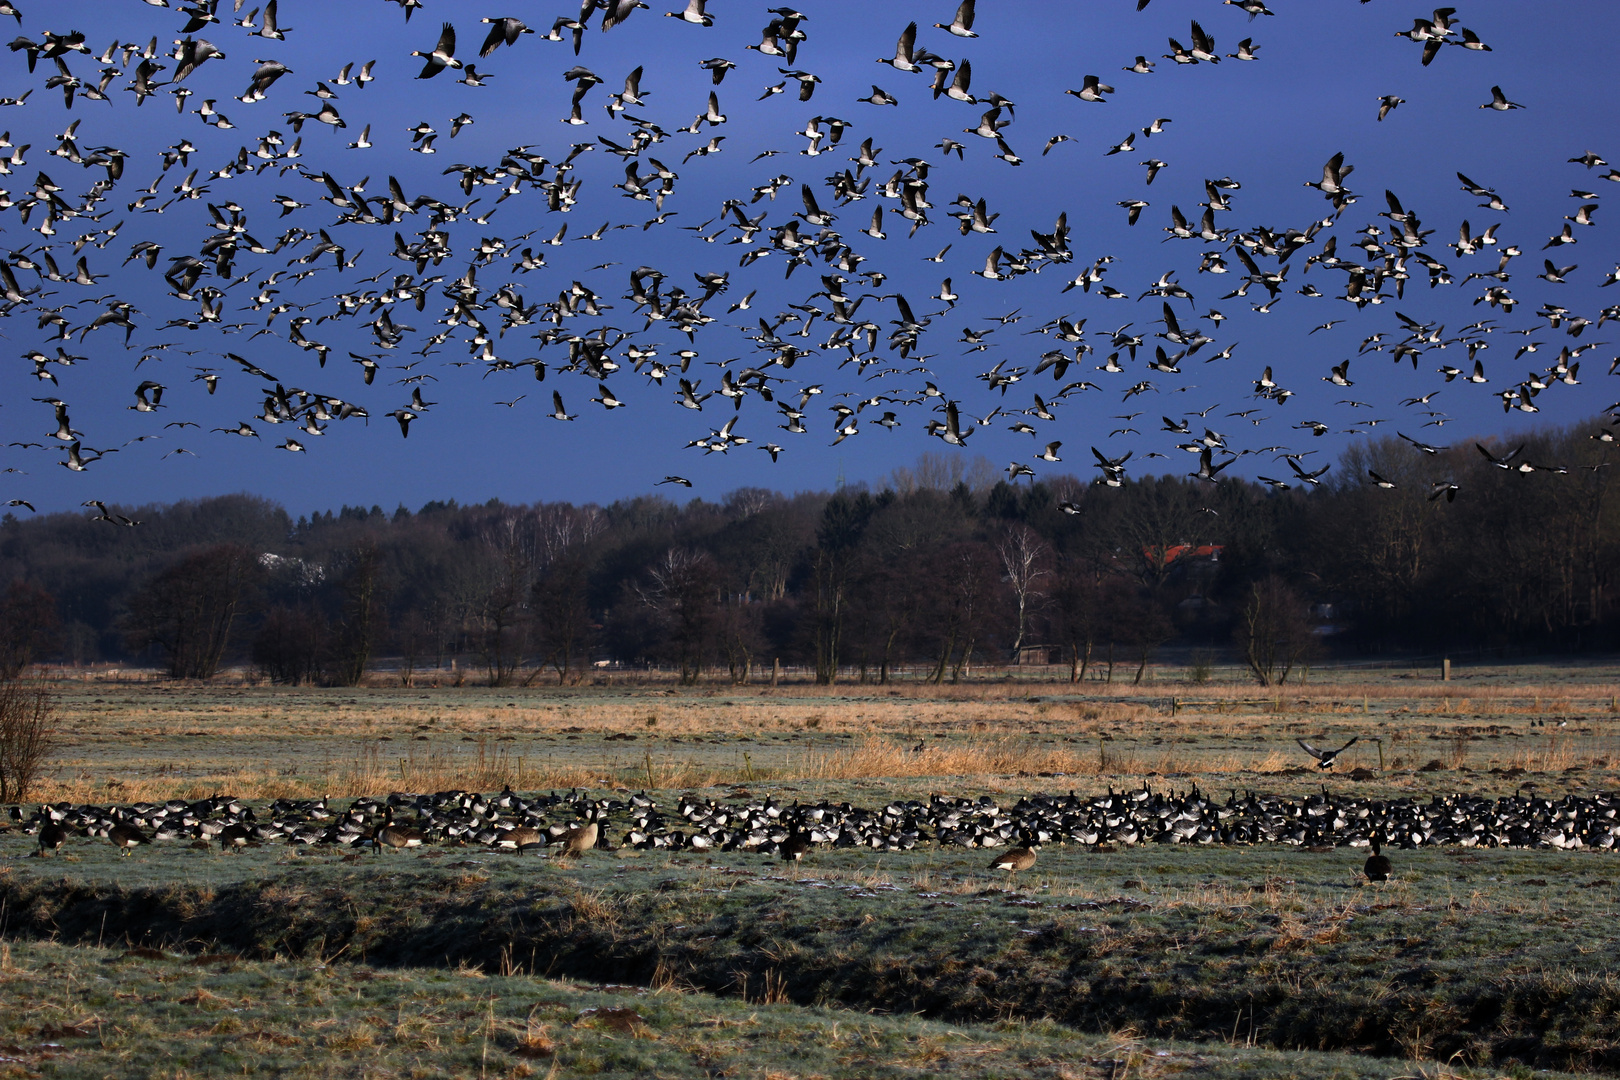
column 1445, row 670
column 776, row 670
column 1175, row 706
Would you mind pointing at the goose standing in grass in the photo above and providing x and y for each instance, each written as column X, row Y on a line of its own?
column 395, row 837
column 1015, row 859
column 126, row 837
column 795, row 846
column 523, row 836
column 578, row 840
column 1377, row 867
column 234, row 837
column 52, row 835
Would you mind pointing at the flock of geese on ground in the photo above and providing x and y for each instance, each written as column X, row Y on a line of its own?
column 572, row 824
column 291, row 284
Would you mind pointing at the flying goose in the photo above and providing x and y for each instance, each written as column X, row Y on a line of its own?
column 717, row 67
column 1503, row 462
column 951, row 430
column 992, row 267
column 1207, row 470
column 442, row 56
column 693, row 13
column 990, row 124
column 1333, row 174
column 1092, row 89
column 1311, row 478
column 962, row 24
column 1325, row 758
column 904, row 51
column 1499, row 101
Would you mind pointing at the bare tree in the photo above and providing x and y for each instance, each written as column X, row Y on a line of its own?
column 962, row 591
column 189, row 608
column 1273, row 631
column 28, row 627
column 27, row 735
column 503, row 618
column 738, row 625
column 292, row 645
column 843, row 521
column 562, row 614
column 1024, row 563
column 1079, row 617
column 1138, row 620
column 681, row 593
column 411, row 637
column 360, row 625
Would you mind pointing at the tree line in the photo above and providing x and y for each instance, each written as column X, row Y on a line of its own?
column 937, row 570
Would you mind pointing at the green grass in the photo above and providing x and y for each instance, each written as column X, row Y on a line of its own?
column 1489, row 958
column 80, row 1011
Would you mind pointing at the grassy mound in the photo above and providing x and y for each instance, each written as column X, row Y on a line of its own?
column 143, row 1012
column 1489, row 957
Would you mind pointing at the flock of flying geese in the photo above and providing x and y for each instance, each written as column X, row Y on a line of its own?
column 228, row 268
column 572, row 824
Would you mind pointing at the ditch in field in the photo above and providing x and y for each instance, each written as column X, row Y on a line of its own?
column 1487, row 958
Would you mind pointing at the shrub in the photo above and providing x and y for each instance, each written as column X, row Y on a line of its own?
column 27, row 732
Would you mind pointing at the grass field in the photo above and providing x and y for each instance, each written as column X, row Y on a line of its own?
column 134, row 740
column 144, row 1013
column 1264, row 961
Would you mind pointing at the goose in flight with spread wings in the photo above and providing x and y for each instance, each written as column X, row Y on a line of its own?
column 1325, row 758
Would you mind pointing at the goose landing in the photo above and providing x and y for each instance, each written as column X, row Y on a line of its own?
column 1326, row 758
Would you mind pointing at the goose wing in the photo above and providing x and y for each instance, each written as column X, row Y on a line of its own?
column 903, row 48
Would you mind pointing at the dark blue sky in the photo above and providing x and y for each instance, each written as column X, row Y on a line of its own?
column 1271, row 124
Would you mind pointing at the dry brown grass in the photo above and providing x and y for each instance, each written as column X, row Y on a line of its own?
column 879, row 757
column 130, row 740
